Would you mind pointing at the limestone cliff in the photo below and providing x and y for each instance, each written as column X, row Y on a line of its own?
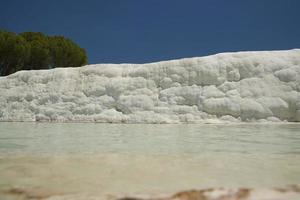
column 243, row 86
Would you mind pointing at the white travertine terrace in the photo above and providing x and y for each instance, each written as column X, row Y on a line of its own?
column 234, row 87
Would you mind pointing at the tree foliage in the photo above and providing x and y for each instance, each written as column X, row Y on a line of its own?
column 65, row 52
column 34, row 50
column 14, row 52
column 39, row 50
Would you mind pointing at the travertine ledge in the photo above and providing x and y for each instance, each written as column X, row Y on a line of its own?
column 283, row 193
column 227, row 87
column 288, row 193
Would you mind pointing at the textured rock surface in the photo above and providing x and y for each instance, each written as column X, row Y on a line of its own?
column 286, row 193
column 243, row 86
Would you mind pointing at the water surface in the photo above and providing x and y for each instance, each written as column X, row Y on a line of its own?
column 103, row 159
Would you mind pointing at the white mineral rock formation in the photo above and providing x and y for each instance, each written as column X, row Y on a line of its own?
column 243, row 86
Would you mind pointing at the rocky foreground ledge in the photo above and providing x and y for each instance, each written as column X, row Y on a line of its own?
column 244, row 86
column 286, row 193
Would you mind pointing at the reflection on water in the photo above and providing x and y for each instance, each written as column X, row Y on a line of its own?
column 136, row 158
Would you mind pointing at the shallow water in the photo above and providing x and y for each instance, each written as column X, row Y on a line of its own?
column 71, row 158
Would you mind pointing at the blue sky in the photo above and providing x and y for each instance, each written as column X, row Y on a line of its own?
column 139, row 31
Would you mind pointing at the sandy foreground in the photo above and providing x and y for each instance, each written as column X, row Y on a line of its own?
column 128, row 177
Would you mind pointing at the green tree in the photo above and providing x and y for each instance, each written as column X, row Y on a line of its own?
column 39, row 50
column 34, row 50
column 14, row 52
column 65, row 53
